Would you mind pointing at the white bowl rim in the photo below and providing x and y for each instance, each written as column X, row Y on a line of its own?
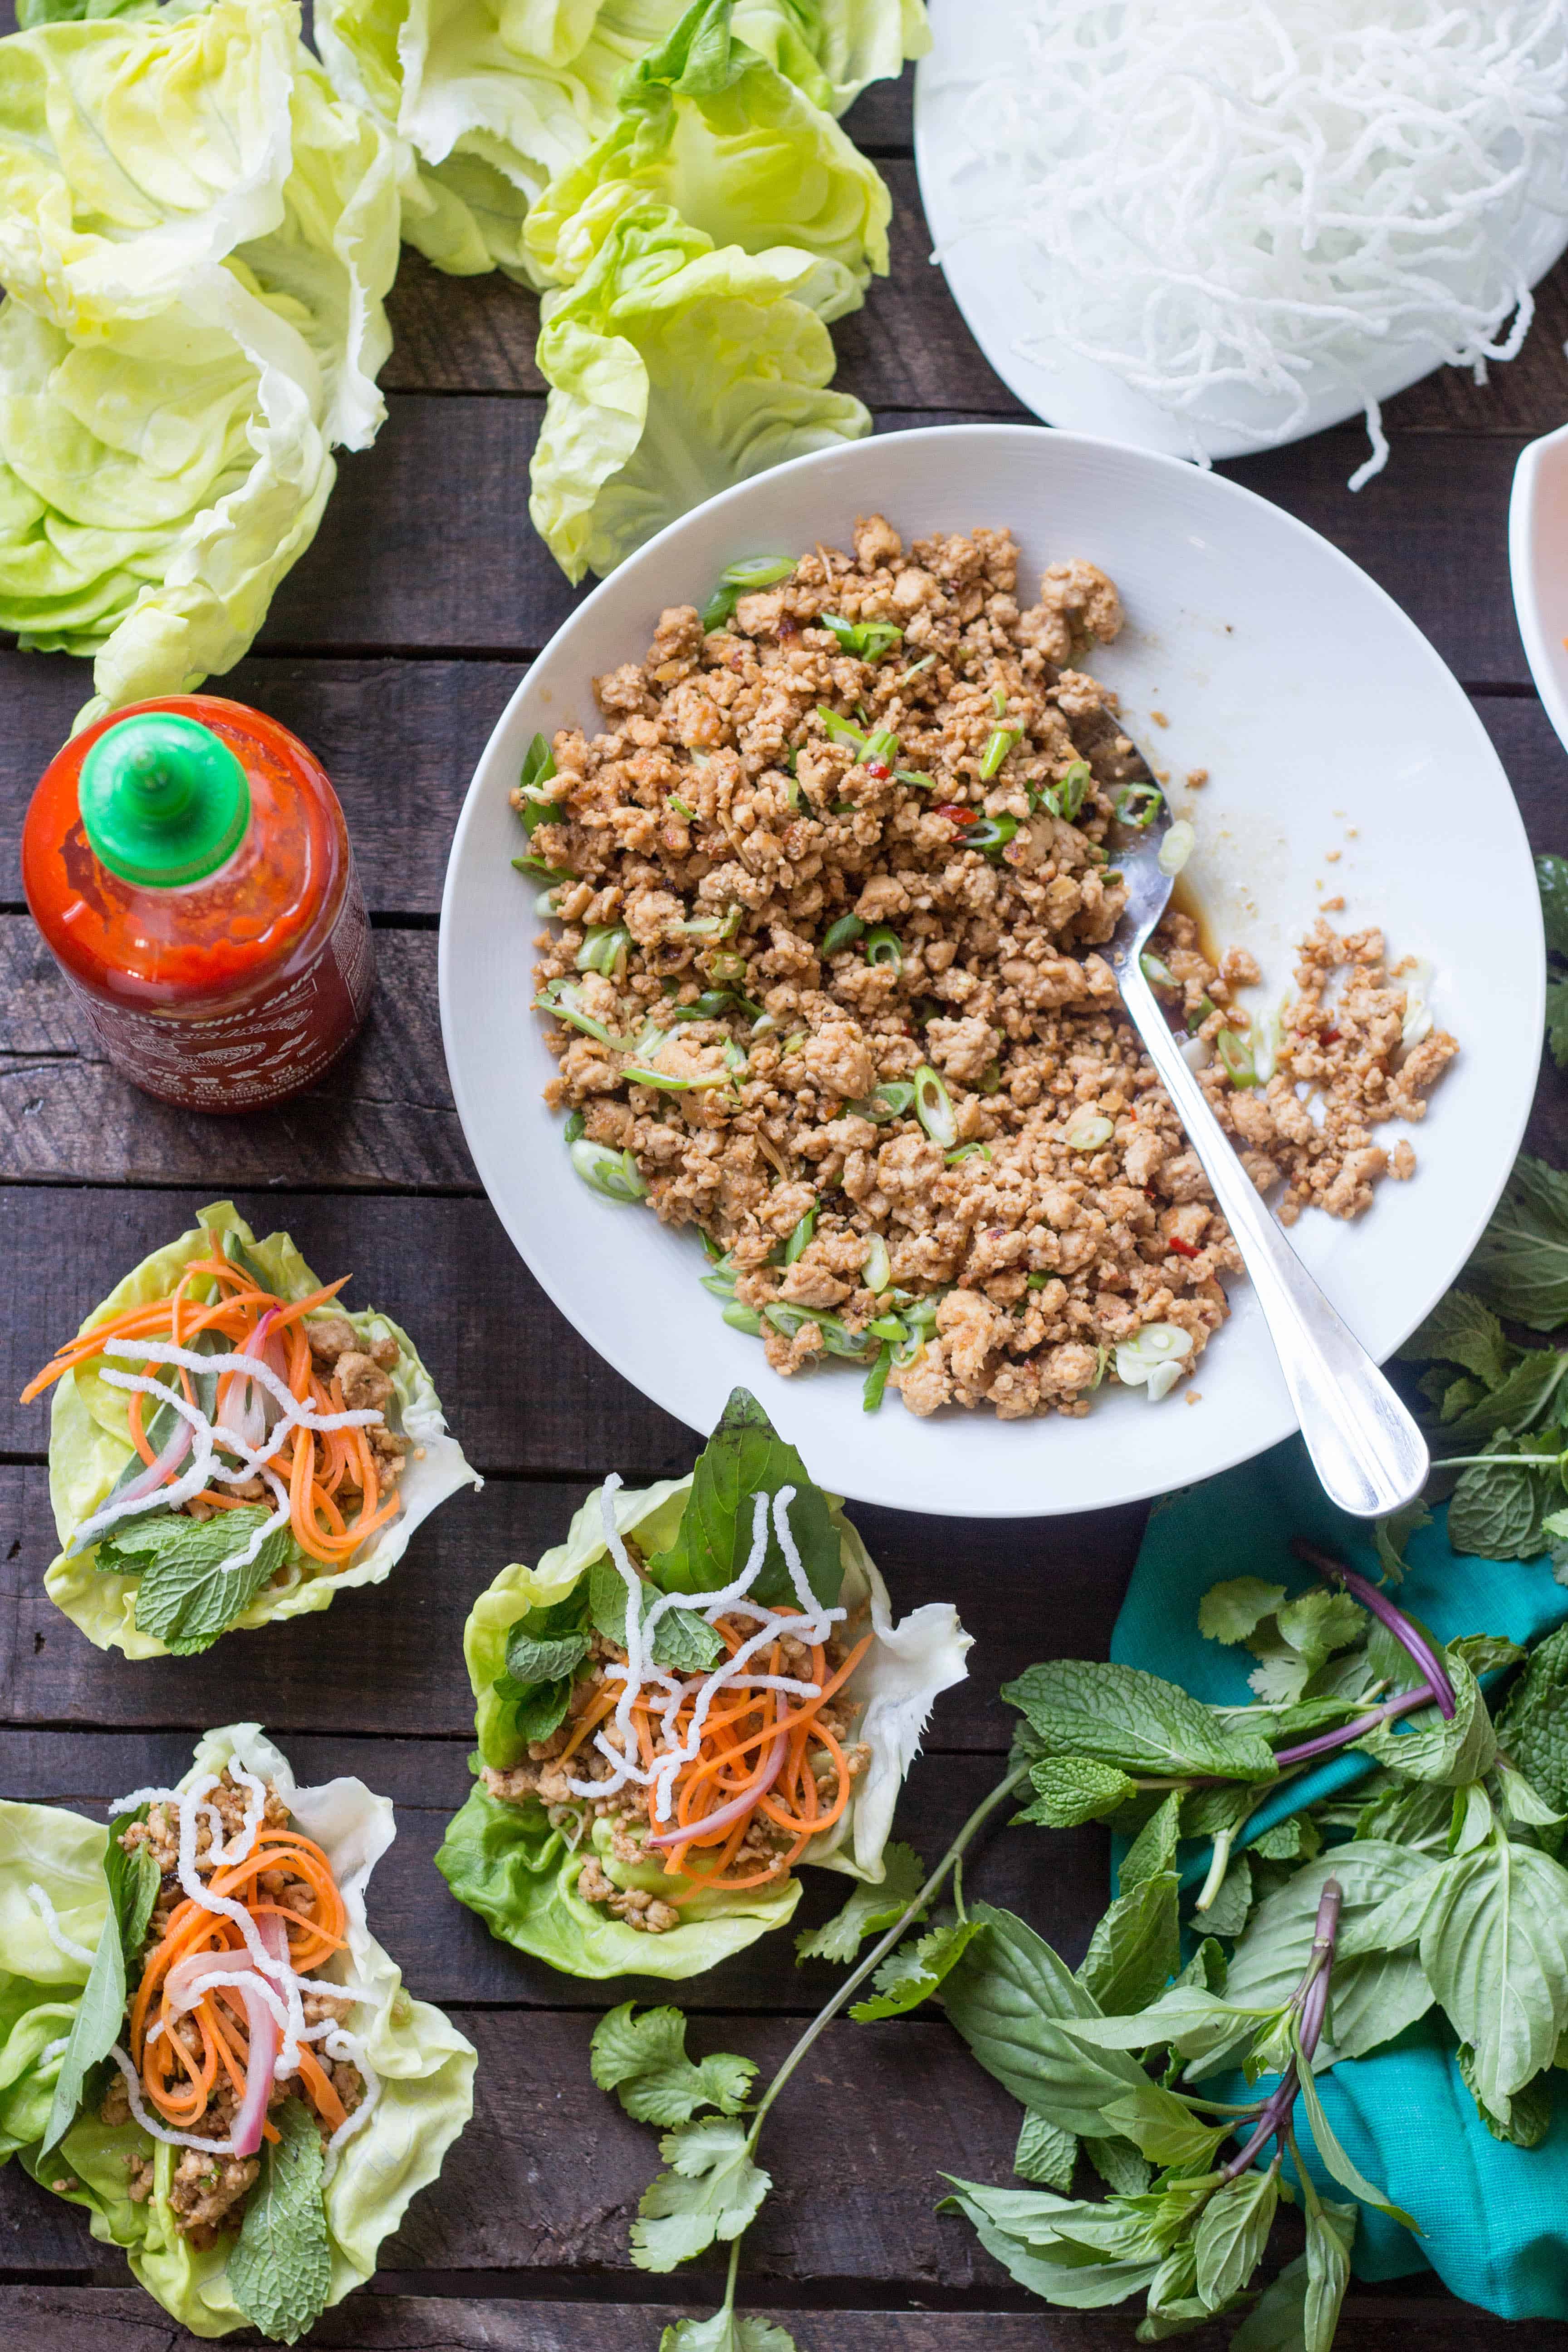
column 1021, row 435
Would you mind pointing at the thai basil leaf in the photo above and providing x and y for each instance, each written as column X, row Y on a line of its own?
column 132, row 1882
column 746, row 1458
column 1494, row 1944
column 1232, row 2232
column 1135, row 1949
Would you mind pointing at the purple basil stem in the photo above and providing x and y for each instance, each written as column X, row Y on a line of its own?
column 1349, row 1733
column 1407, row 1635
column 1280, row 2107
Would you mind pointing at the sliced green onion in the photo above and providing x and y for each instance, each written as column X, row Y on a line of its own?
column 969, row 1151
column 889, row 1326
column 764, row 1024
column 1199, row 1013
column 709, row 1006
column 1065, row 797
column 791, row 760
column 800, row 1239
column 883, row 747
column 1236, row 1055
column 544, row 905
column 648, row 1043
column 933, row 1107
column 792, row 797
column 991, row 832
column 576, row 1124
column 722, row 1286
column 542, row 872
column 560, row 999
column 916, row 781
column 710, row 1248
column 536, row 812
column 1157, row 972
column 837, row 1337
column 878, row 1270
column 991, row 1078
column 842, row 934
column 1139, row 805
column 735, row 1056
column 640, row 1078
column 793, row 1045
column 1088, row 1134
column 727, row 965
column 998, row 702
column 920, row 1314
column 604, row 949
column 883, row 945
column 743, row 1318
column 838, row 731
column 876, row 1381
column 869, row 640
column 614, row 1173
column 714, row 926
column 1178, row 846
column 1154, row 1348
column 680, row 807
column 996, row 750
column 1035, row 1281
column 738, row 579
column 915, row 670
column 886, row 1101
column 1163, row 1380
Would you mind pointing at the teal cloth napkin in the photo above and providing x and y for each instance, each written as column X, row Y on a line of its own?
column 1494, row 2217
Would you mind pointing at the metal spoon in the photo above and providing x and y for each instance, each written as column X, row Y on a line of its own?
column 1365, row 1448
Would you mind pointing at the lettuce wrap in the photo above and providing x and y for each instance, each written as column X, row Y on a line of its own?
column 54, row 1894
column 518, row 1863
column 91, row 1447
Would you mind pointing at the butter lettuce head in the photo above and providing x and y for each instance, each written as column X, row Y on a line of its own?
column 424, row 2067
column 676, row 370
column 89, row 1445
column 197, row 236
column 507, row 1862
column 707, row 127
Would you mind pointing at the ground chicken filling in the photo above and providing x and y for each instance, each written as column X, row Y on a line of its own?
column 794, row 1757
column 193, row 2073
column 805, row 864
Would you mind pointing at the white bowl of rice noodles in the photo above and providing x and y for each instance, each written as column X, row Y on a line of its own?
column 1211, row 226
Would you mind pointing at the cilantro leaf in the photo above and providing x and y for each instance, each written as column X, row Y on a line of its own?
column 915, row 1972
column 280, row 2272
column 132, row 1887
column 743, row 1458
column 1233, row 1611
column 726, row 2331
column 189, row 1594
column 644, row 2060
column 869, row 1911
column 712, row 2190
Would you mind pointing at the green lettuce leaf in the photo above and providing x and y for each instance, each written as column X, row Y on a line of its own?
column 835, row 48
column 196, row 321
column 677, row 369
column 89, row 1445
column 707, row 126
column 424, row 2065
column 507, row 1862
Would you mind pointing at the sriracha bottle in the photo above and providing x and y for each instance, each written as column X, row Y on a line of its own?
column 187, row 862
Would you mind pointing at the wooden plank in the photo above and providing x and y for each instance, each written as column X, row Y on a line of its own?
column 1025, row 1589
column 382, row 1117
column 1058, row 1879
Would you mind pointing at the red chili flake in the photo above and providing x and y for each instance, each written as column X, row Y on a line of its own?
column 1328, row 1036
column 956, row 813
column 1182, row 1248
column 879, row 769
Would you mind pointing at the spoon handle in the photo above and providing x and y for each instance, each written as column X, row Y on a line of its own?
column 1365, row 1448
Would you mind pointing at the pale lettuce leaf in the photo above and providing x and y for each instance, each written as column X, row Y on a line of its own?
column 196, row 237
column 89, row 1445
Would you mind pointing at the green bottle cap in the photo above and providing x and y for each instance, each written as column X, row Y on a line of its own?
column 163, row 800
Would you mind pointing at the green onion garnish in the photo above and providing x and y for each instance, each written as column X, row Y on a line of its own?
column 991, row 832
column 838, row 731
column 842, row 934
column 837, row 1337
column 876, row 1380
column 639, row 1077
column 933, row 1107
column 991, row 1078
column 883, row 945
column 1088, row 1134
column 681, row 808
column 604, row 949
column 1065, row 797
column 727, row 966
column 1199, row 1013
column 996, row 750
column 576, row 1124
column 800, row 1239
column 738, row 579
column 1157, row 972
column 915, row 670
column 1236, row 1055
column 998, row 702
column 1139, row 805
column 883, row 748
column 743, row 1318
column 868, row 640
column 878, row 1269
column 969, row 1151
column 886, row 1101
column 562, row 1000
column 614, row 1173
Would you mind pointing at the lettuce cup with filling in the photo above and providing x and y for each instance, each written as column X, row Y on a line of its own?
column 203, row 2046
column 700, row 1691
column 229, row 1446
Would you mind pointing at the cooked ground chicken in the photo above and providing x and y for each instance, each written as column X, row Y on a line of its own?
column 744, row 797
column 546, row 1778
column 336, row 1348
column 207, row 2190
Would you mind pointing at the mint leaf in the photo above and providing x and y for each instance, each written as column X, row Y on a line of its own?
column 1425, row 1748
column 538, row 1708
column 712, row 2190
column 131, row 1882
column 531, row 1660
column 869, row 1911
column 1073, row 1789
column 1497, row 1511
column 644, row 2060
column 743, row 1458
column 1154, row 1847
column 1391, row 1536
column 681, row 1638
column 1533, row 1727
column 1557, row 1021
column 1045, row 2154
column 1521, row 1262
column 915, row 1972
column 1461, row 1329
column 1135, row 1949
column 189, row 1594
column 1552, row 881
column 1520, row 1403
column 281, row 2270
column 1122, row 1716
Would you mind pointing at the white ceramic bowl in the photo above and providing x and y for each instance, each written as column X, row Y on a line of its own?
column 993, row 277
column 1327, row 723
column 1538, row 562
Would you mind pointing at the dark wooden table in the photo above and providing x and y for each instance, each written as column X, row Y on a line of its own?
column 392, row 648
